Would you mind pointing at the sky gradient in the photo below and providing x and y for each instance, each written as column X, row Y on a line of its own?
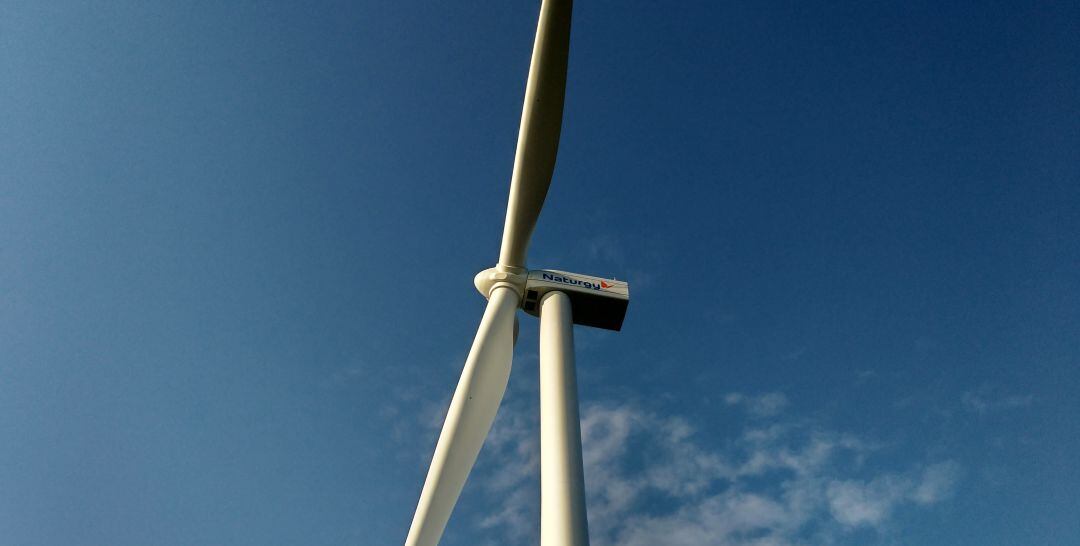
column 237, row 245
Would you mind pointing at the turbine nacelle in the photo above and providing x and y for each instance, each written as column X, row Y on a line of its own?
column 596, row 301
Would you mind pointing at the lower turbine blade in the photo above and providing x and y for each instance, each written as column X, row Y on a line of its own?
column 472, row 411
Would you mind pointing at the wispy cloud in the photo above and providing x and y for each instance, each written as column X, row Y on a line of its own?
column 856, row 503
column 986, row 399
column 655, row 479
column 763, row 405
column 606, row 247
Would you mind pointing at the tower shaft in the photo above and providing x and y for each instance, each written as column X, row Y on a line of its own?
column 562, row 483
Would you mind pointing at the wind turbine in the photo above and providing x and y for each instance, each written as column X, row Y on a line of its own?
column 560, row 299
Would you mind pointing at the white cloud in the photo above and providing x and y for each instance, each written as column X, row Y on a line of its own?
column 858, row 503
column 719, row 519
column 854, row 503
column 515, row 443
column 937, row 484
column 986, row 399
column 654, row 480
column 769, row 404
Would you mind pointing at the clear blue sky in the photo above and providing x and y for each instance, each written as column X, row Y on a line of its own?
column 237, row 244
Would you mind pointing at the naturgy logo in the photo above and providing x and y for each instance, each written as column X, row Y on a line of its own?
column 576, row 282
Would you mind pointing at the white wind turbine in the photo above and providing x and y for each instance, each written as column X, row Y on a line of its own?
column 560, row 299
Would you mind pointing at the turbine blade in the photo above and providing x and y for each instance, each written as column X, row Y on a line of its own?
column 538, row 137
column 472, row 411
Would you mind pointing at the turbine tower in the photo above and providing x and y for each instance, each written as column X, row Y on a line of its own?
column 559, row 298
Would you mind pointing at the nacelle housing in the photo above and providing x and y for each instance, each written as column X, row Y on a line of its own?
column 596, row 302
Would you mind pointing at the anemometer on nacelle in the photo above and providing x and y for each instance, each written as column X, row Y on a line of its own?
column 594, row 301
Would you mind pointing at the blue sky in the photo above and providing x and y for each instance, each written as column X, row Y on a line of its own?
column 237, row 244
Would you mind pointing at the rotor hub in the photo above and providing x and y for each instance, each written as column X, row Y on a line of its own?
column 500, row 275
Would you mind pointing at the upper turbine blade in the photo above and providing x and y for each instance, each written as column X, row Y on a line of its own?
column 538, row 137
column 472, row 411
